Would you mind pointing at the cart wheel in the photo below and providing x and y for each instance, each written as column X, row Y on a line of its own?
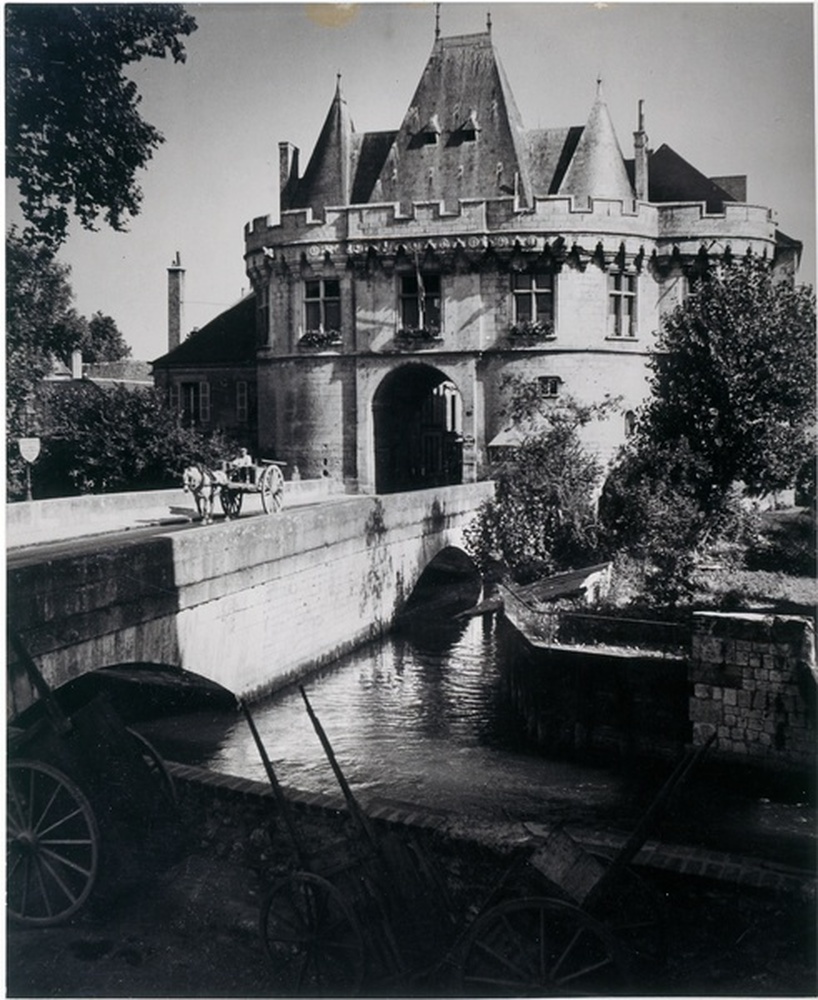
column 272, row 490
column 231, row 502
column 312, row 938
column 540, row 947
column 636, row 913
column 157, row 767
column 52, row 844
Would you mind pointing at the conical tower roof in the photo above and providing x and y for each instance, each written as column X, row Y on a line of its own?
column 327, row 177
column 597, row 169
column 462, row 136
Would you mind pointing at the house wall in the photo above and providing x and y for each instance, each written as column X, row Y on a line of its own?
column 222, row 381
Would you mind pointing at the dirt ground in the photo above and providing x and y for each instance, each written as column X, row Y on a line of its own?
column 192, row 932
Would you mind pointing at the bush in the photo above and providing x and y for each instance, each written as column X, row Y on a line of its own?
column 786, row 545
column 542, row 517
column 112, row 440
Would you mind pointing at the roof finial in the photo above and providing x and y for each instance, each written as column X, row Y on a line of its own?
column 437, row 21
column 599, row 85
column 488, row 22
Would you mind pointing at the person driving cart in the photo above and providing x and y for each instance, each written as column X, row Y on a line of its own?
column 243, row 466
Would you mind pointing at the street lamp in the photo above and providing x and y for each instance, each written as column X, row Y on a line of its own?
column 30, row 450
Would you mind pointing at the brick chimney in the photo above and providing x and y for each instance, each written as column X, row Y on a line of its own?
column 176, row 289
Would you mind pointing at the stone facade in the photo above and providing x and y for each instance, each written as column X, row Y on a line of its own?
column 753, row 681
column 411, row 273
column 479, row 250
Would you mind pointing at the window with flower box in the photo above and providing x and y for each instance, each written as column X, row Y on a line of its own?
column 533, row 303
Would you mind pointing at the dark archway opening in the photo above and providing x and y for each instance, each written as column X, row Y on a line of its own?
column 418, row 416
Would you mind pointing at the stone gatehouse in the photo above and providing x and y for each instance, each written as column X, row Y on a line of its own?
column 411, row 272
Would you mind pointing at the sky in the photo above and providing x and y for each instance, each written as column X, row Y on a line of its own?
column 730, row 87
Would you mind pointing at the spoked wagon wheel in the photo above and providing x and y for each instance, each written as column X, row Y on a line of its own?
column 312, row 938
column 52, row 844
column 540, row 947
column 157, row 767
column 272, row 490
column 231, row 502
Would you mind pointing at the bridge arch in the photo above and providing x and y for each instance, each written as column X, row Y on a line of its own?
column 417, row 414
column 238, row 602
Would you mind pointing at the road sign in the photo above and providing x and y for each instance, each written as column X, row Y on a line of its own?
column 29, row 448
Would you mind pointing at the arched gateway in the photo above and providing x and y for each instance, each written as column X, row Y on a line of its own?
column 418, row 422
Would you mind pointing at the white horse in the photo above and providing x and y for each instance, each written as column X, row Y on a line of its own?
column 205, row 485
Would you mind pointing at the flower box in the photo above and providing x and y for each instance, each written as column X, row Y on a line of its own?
column 541, row 330
column 320, row 339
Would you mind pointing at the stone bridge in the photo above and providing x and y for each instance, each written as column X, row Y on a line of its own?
column 250, row 603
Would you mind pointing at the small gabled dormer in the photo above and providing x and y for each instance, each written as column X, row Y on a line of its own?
column 467, row 132
column 430, row 133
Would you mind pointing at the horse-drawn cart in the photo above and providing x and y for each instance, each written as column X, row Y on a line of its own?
column 231, row 484
column 373, row 912
column 264, row 479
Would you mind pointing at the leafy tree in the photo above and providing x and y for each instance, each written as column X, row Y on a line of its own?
column 649, row 509
column 542, row 517
column 734, row 378
column 41, row 324
column 104, row 341
column 73, row 128
column 116, row 438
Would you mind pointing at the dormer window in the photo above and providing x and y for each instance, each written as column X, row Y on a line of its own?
column 469, row 129
column 431, row 131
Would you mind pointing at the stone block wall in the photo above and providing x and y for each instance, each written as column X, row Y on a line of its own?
column 753, row 681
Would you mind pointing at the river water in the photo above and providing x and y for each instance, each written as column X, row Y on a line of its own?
column 420, row 716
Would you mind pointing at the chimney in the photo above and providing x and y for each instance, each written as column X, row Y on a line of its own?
column 287, row 172
column 640, row 158
column 76, row 364
column 176, row 287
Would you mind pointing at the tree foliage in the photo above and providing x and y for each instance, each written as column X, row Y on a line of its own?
column 733, row 400
column 542, row 517
column 103, row 340
column 116, row 438
column 74, row 133
column 41, row 325
column 734, row 378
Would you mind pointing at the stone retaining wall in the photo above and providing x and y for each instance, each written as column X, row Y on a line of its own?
column 753, row 681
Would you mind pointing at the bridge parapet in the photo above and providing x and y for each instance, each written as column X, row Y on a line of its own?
column 249, row 604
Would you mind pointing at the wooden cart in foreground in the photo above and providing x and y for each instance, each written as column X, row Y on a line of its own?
column 86, row 797
column 264, row 479
column 374, row 913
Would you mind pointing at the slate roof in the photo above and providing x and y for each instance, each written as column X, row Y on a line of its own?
column 326, row 179
column 596, row 168
column 672, row 178
column 229, row 339
column 462, row 137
